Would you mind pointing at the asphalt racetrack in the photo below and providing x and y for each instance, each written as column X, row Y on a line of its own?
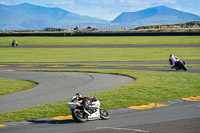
column 56, row 86
column 179, row 117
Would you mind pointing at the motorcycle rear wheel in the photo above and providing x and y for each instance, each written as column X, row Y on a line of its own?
column 177, row 69
column 79, row 116
column 104, row 114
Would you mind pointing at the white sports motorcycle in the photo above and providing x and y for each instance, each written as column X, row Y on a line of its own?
column 89, row 111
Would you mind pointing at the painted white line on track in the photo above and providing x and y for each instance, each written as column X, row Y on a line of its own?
column 124, row 129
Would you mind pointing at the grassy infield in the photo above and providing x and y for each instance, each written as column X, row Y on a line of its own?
column 8, row 86
column 57, row 55
column 149, row 86
column 127, row 40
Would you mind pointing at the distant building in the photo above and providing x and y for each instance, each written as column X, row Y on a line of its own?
column 90, row 29
column 54, row 29
column 76, row 28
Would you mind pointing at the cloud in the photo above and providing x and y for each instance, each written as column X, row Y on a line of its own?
column 61, row 3
column 5, row 2
column 167, row 2
column 121, row 1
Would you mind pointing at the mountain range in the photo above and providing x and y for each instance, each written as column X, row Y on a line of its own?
column 155, row 15
column 28, row 16
column 32, row 17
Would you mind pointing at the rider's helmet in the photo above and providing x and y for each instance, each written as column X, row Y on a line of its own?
column 78, row 95
column 170, row 55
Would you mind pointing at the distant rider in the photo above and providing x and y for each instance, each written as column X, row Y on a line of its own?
column 14, row 43
column 173, row 60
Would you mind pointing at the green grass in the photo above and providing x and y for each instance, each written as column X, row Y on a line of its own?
column 8, row 86
column 150, row 86
column 43, row 55
column 127, row 40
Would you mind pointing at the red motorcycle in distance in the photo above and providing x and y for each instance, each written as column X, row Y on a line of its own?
column 177, row 63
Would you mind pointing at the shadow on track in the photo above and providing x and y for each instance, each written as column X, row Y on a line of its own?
column 69, row 121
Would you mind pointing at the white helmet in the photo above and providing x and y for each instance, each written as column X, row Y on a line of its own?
column 76, row 97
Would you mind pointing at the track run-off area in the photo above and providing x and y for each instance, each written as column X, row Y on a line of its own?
column 177, row 116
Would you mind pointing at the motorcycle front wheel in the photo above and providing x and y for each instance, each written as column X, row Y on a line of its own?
column 79, row 115
column 183, row 66
column 104, row 114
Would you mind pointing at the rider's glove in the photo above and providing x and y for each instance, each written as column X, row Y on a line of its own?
column 94, row 99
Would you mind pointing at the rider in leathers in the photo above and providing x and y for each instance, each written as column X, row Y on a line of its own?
column 84, row 100
column 173, row 60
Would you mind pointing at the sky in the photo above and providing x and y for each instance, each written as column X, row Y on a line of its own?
column 110, row 9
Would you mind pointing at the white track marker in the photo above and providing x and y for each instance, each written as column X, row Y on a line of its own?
column 124, row 129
